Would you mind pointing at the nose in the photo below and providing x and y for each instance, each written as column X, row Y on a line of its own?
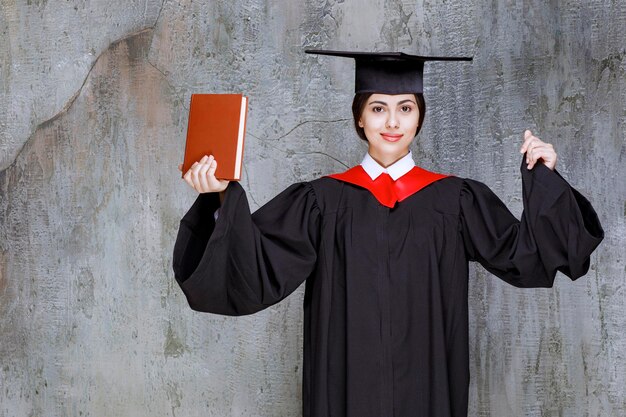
column 392, row 121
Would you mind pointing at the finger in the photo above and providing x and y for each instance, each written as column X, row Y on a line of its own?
column 187, row 178
column 204, row 162
column 211, row 163
column 529, row 141
column 541, row 154
column 536, row 146
column 527, row 138
column 202, row 178
column 195, row 172
column 533, row 142
column 195, row 168
column 527, row 134
column 528, row 148
column 213, row 168
column 204, row 168
column 531, row 154
column 546, row 155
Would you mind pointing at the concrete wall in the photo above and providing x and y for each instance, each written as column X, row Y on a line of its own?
column 93, row 107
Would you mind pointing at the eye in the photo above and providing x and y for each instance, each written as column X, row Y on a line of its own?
column 377, row 109
column 405, row 109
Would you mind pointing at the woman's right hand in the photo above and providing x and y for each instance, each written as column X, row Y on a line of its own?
column 201, row 176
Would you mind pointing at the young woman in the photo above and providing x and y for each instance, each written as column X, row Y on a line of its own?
column 384, row 249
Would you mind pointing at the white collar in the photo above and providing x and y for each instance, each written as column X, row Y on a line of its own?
column 395, row 170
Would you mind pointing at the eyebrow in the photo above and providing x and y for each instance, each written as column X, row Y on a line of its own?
column 385, row 104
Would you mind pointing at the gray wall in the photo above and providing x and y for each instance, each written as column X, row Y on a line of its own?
column 93, row 107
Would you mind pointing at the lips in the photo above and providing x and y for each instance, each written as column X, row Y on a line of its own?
column 391, row 137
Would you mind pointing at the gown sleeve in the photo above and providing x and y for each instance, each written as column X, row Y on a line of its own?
column 558, row 230
column 242, row 263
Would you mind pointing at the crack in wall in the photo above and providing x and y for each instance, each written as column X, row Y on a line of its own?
column 74, row 97
column 160, row 71
column 297, row 127
column 323, row 154
column 156, row 21
column 268, row 142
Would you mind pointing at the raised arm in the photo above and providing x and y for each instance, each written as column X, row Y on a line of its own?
column 241, row 263
column 558, row 229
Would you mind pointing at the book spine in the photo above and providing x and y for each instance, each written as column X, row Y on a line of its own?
column 242, row 133
column 186, row 164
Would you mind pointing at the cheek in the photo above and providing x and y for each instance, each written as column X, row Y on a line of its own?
column 412, row 122
column 372, row 122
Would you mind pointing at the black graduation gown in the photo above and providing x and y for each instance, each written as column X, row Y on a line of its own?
column 386, row 296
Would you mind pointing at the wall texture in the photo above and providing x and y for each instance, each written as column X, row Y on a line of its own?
column 93, row 107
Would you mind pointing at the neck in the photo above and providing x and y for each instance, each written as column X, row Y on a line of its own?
column 387, row 160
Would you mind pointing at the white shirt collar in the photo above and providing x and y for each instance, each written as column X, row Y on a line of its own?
column 395, row 170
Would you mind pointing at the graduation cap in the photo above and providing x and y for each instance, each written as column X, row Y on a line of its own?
column 388, row 72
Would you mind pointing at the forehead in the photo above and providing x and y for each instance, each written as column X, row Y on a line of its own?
column 391, row 99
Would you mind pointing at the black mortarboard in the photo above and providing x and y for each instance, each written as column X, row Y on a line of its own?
column 388, row 72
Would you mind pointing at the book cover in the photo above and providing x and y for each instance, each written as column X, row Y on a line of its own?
column 217, row 126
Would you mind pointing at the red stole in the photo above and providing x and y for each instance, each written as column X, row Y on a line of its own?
column 386, row 190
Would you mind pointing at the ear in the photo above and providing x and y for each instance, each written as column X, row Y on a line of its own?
column 360, row 124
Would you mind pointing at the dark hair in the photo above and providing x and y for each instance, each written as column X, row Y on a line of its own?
column 360, row 101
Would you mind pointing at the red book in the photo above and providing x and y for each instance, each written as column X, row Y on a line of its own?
column 217, row 126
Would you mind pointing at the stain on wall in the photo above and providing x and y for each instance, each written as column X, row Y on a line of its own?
column 93, row 110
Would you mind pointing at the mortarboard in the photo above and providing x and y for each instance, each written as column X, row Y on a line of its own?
column 388, row 72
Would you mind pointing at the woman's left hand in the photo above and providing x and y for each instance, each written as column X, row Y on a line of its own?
column 538, row 151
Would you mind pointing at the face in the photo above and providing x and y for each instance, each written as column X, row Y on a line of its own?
column 390, row 123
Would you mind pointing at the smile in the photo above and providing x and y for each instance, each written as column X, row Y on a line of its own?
column 391, row 137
